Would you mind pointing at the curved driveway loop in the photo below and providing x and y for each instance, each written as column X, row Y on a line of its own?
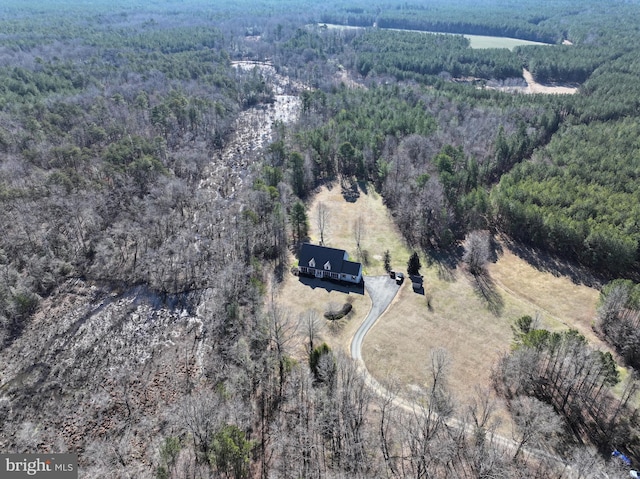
column 382, row 290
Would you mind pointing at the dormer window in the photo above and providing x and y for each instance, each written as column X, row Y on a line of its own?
column 322, row 262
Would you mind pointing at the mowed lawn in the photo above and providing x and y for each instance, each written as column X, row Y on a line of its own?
column 297, row 299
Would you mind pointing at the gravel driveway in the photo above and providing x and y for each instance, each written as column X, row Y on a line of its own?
column 382, row 290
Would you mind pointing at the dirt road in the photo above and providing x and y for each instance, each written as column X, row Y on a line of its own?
column 534, row 87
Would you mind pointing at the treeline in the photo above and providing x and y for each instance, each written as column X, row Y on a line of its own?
column 619, row 317
column 561, row 370
column 579, row 197
column 423, row 20
column 589, row 22
column 431, row 156
column 318, row 417
column 539, row 24
column 611, row 92
column 357, row 123
column 355, row 17
column 416, row 56
column 565, row 63
column 334, row 429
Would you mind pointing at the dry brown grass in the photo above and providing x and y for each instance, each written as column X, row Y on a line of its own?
column 460, row 320
column 298, row 298
column 565, row 303
column 457, row 316
column 380, row 232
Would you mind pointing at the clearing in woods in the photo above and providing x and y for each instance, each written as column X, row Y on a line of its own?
column 451, row 314
column 459, row 319
column 378, row 231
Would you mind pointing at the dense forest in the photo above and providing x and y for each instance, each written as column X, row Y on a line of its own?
column 398, row 53
column 141, row 236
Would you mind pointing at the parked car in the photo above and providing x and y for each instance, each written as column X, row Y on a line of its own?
column 399, row 278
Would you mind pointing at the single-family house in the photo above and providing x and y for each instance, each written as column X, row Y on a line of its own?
column 330, row 263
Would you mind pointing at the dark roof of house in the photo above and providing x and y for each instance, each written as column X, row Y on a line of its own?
column 322, row 254
column 350, row 267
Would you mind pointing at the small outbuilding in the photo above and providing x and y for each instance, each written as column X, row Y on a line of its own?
column 417, row 283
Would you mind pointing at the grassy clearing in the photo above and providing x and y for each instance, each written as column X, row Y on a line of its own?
column 455, row 316
column 475, row 41
column 298, row 298
column 562, row 302
column 458, row 320
column 480, row 41
column 380, row 232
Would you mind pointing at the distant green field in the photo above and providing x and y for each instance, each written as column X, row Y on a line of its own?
column 476, row 41
column 480, row 41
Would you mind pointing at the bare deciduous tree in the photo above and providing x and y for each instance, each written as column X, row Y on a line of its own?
column 439, row 370
column 611, row 305
column 311, row 325
column 358, row 233
column 482, row 408
column 477, row 252
column 202, row 414
column 322, row 220
column 388, row 418
column 282, row 330
column 425, row 439
column 535, row 422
